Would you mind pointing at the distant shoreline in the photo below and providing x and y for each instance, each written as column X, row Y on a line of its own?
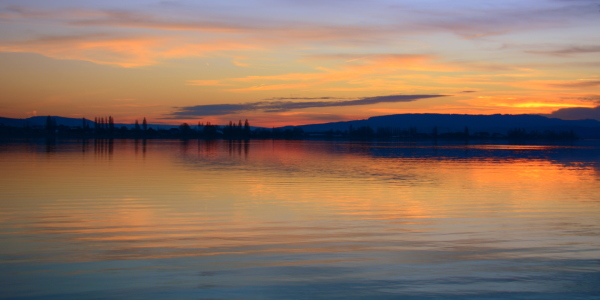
column 400, row 127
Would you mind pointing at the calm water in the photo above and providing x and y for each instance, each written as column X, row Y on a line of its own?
column 167, row 219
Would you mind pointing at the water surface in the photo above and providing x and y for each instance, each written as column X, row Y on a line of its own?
column 170, row 219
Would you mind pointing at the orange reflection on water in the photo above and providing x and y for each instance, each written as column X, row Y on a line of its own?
column 213, row 197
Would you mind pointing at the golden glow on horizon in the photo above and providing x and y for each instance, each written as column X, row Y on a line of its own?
column 533, row 104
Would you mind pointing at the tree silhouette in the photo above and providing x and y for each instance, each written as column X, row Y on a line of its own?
column 247, row 131
column 210, row 131
column 50, row 124
column 185, row 129
column 111, row 125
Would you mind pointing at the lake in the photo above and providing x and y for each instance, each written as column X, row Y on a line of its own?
column 263, row 219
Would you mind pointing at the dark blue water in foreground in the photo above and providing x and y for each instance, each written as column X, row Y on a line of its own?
column 169, row 219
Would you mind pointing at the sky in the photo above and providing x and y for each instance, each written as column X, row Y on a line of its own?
column 292, row 62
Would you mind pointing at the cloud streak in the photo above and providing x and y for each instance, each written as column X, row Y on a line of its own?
column 283, row 106
column 119, row 50
column 374, row 72
column 592, row 98
column 577, row 84
column 569, row 50
column 582, row 84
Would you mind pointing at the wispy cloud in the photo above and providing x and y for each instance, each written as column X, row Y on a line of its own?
column 212, row 21
column 373, row 72
column 583, row 84
column 590, row 98
column 569, row 50
column 282, row 106
column 576, row 84
column 123, row 18
column 119, row 50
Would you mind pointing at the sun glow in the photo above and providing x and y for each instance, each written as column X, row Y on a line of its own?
column 545, row 105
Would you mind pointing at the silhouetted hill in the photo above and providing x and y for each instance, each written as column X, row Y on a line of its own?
column 70, row 122
column 41, row 121
column 447, row 123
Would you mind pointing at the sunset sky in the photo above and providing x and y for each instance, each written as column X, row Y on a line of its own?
column 292, row 62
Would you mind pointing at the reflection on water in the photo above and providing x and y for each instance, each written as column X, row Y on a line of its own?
column 173, row 219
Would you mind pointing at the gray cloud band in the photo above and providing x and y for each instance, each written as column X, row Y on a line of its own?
column 281, row 106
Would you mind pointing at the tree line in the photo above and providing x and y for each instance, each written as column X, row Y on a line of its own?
column 105, row 127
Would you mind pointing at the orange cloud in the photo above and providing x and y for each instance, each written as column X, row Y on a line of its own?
column 131, row 52
column 125, row 52
column 253, row 26
column 362, row 73
column 546, row 105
